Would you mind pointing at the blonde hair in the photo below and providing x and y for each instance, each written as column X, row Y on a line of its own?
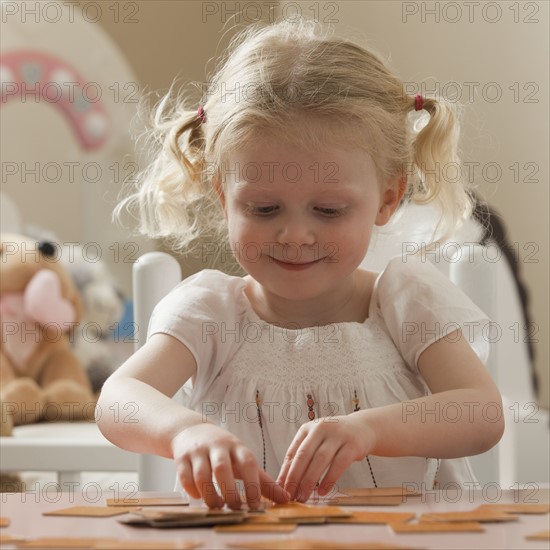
column 292, row 74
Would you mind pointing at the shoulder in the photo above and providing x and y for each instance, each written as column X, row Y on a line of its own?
column 197, row 305
column 420, row 305
column 401, row 270
column 211, row 278
column 194, row 312
column 415, row 278
column 209, row 289
column 410, row 285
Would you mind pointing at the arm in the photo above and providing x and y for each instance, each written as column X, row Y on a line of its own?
column 149, row 378
column 462, row 417
column 201, row 450
column 462, row 390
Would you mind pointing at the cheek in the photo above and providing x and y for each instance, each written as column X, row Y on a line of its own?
column 235, row 223
column 241, row 232
column 354, row 248
column 351, row 242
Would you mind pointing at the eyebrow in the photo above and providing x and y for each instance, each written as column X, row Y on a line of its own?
column 324, row 187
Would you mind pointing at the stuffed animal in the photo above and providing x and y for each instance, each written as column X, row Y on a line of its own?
column 103, row 307
column 40, row 376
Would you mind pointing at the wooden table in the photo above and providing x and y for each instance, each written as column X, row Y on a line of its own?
column 25, row 513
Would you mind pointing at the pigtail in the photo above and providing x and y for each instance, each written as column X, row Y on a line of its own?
column 186, row 135
column 172, row 198
column 437, row 174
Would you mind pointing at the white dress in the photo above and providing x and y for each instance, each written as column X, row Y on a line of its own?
column 262, row 382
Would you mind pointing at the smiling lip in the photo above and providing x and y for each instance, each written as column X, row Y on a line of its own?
column 295, row 266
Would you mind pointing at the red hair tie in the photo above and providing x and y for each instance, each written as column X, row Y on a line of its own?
column 418, row 103
column 202, row 114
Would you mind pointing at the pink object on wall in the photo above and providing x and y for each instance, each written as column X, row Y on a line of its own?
column 30, row 75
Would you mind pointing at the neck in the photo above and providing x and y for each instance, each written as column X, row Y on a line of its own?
column 348, row 303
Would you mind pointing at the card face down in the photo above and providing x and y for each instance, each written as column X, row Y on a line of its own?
column 145, row 501
column 151, row 545
column 380, row 492
column 107, row 544
column 314, row 544
column 469, row 516
column 359, row 500
column 64, row 542
column 541, row 535
column 376, row 518
column 256, row 528
column 296, row 510
column 519, row 508
column 439, row 527
column 192, row 517
column 91, row 511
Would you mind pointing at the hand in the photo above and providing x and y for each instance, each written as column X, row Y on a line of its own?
column 205, row 449
column 328, row 444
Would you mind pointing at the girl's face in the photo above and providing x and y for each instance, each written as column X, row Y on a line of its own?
column 300, row 223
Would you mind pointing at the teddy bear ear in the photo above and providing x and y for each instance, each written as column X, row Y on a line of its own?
column 47, row 248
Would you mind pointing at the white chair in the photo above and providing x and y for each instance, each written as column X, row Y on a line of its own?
column 487, row 282
column 523, row 454
column 66, row 448
column 154, row 275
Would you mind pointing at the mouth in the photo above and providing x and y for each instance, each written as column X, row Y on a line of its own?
column 294, row 266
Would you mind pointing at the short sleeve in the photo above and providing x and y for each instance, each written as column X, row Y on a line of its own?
column 201, row 312
column 420, row 305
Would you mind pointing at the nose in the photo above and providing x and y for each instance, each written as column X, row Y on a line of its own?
column 296, row 231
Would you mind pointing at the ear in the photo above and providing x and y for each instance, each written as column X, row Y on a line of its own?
column 391, row 197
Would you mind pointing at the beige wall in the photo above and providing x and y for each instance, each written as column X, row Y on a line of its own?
column 491, row 51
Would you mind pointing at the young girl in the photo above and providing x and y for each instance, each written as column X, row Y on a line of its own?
column 309, row 373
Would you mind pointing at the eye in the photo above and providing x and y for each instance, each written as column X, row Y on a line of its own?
column 330, row 212
column 47, row 248
column 261, row 210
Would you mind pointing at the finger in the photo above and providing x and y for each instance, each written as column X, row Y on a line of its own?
column 340, row 464
column 309, row 480
column 272, row 489
column 289, row 456
column 248, row 470
column 202, row 474
column 300, row 463
column 223, row 472
column 185, row 474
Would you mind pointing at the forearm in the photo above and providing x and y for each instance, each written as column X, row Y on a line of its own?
column 139, row 418
column 448, row 424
